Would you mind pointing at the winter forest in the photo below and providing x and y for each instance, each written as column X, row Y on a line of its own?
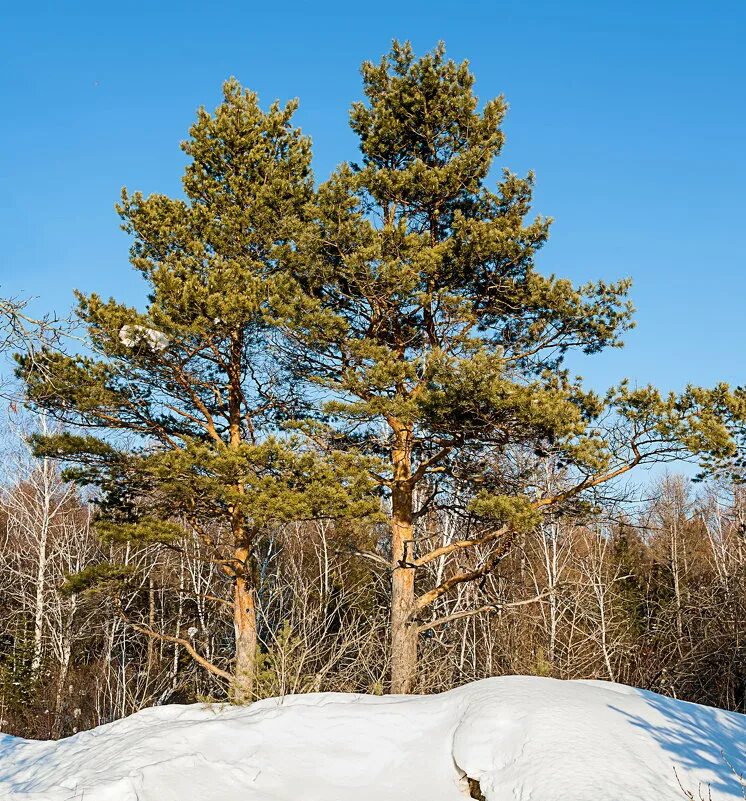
column 338, row 446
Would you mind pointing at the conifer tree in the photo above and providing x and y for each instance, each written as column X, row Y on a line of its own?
column 444, row 354
column 178, row 410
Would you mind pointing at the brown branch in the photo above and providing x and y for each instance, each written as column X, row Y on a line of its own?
column 440, row 621
column 444, row 550
column 589, row 483
column 188, row 647
column 373, row 557
column 461, row 578
column 208, row 597
column 429, row 463
column 209, row 421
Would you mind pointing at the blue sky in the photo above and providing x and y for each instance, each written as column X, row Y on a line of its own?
column 632, row 115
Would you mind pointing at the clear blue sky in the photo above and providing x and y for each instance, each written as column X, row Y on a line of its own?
column 631, row 113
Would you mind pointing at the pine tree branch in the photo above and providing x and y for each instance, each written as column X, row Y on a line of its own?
column 456, row 546
column 589, row 483
column 188, row 647
column 372, row 557
column 441, row 621
column 429, row 464
column 448, row 584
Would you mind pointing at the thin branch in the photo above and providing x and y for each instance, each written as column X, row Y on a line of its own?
column 188, row 647
column 444, row 550
column 486, row 608
column 429, row 464
column 490, row 563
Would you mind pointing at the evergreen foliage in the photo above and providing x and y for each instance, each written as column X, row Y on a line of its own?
column 183, row 405
column 304, row 350
column 437, row 320
column 442, row 345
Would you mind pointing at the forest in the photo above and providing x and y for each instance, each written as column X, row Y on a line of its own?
column 338, row 446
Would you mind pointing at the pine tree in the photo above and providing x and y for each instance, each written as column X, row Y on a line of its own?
column 182, row 406
column 444, row 352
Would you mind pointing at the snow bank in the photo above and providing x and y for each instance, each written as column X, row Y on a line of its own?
column 522, row 738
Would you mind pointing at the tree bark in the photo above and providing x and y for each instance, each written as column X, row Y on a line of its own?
column 41, row 570
column 244, row 597
column 403, row 628
column 244, row 623
column 65, row 655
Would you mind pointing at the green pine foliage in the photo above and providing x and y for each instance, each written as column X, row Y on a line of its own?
column 180, row 414
column 437, row 321
column 188, row 405
column 304, row 350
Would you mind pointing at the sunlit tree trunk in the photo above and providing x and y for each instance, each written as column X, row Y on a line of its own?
column 244, row 596
column 403, row 628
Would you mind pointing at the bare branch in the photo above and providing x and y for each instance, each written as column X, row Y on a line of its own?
column 441, row 621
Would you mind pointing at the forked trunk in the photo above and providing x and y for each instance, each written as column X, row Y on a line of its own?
column 403, row 628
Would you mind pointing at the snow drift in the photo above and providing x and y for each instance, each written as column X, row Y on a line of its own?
column 520, row 737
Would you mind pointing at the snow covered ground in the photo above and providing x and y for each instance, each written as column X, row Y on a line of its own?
column 522, row 738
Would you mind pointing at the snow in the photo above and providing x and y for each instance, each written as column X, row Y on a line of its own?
column 522, row 738
column 133, row 335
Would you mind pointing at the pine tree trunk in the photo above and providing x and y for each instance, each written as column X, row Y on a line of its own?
column 244, row 622
column 403, row 628
column 244, row 597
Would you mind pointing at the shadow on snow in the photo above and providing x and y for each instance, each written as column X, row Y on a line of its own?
column 711, row 743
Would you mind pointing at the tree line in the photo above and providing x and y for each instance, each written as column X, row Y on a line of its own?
column 654, row 597
column 350, row 395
